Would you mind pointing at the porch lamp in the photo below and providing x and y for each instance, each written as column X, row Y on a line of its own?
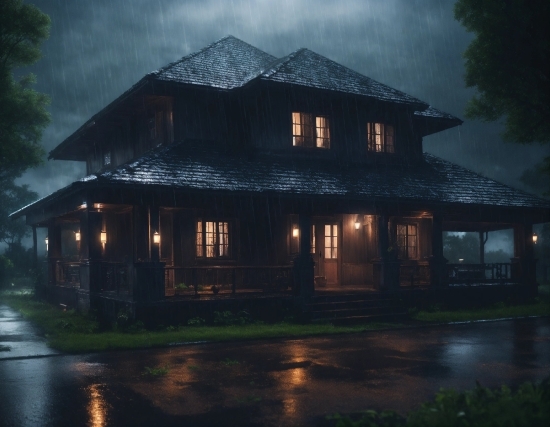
column 103, row 237
column 357, row 224
column 295, row 231
column 156, row 238
column 535, row 238
column 77, row 236
column 46, row 241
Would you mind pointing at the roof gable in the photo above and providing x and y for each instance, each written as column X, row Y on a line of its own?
column 227, row 63
column 306, row 68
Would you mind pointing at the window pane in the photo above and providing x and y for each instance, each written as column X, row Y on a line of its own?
column 210, row 239
column 323, row 135
column 223, row 230
column 388, row 143
column 313, row 239
column 199, row 239
column 297, row 132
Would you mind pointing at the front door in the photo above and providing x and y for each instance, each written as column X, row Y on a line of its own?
column 325, row 249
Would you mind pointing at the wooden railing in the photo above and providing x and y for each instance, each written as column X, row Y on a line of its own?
column 227, row 279
column 498, row 272
column 414, row 275
column 114, row 276
column 67, row 273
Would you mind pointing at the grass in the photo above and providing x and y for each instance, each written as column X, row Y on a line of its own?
column 539, row 307
column 71, row 332
column 74, row 333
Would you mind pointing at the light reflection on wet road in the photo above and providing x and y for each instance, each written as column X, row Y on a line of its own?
column 292, row 382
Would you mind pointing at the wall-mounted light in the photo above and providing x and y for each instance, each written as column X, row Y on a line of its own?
column 98, row 205
column 460, row 259
column 156, row 238
column 357, row 224
column 46, row 241
column 103, row 237
column 535, row 238
column 77, row 236
column 295, row 231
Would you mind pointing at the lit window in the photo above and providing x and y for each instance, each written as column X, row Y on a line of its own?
column 407, row 241
column 313, row 239
column 212, row 239
column 310, row 131
column 331, row 241
column 380, row 137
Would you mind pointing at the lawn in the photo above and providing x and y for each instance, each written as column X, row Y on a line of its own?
column 72, row 332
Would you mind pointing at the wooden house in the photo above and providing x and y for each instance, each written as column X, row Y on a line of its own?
column 234, row 174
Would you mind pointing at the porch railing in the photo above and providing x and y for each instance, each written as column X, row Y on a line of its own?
column 414, row 275
column 67, row 273
column 498, row 272
column 227, row 280
column 114, row 276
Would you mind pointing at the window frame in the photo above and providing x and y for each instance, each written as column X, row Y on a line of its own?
column 387, row 139
column 403, row 250
column 201, row 236
column 310, row 130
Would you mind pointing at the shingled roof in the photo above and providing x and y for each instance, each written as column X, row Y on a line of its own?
column 307, row 68
column 227, row 64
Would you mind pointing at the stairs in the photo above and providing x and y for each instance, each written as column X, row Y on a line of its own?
column 354, row 308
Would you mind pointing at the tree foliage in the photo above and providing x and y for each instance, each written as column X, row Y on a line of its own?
column 23, row 114
column 14, row 197
column 508, row 62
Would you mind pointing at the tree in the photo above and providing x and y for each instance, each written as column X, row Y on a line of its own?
column 457, row 247
column 23, row 114
column 14, row 197
column 508, row 63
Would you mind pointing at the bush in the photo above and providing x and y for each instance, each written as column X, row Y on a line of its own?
column 528, row 406
column 227, row 318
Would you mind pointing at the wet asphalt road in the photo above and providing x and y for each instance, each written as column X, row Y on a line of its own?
column 284, row 382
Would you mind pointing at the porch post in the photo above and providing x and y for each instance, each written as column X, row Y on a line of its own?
column 438, row 271
column 529, row 263
column 54, row 252
column 34, row 249
column 482, row 241
column 149, row 278
column 524, row 263
column 303, row 263
column 92, row 248
column 388, row 266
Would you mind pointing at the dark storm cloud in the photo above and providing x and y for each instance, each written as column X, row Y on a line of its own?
column 98, row 49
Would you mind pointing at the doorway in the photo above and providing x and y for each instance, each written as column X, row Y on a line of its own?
column 325, row 248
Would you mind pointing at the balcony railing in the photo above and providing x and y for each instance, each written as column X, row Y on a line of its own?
column 227, row 280
column 497, row 273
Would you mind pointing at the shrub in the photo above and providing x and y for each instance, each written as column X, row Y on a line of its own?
column 227, row 318
column 528, row 406
column 196, row 321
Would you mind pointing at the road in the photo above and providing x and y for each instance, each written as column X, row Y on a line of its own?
column 273, row 383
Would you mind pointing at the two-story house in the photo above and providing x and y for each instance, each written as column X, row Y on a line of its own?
column 232, row 173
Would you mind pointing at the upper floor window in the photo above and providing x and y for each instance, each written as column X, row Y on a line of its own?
column 212, row 239
column 380, row 137
column 309, row 130
column 407, row 241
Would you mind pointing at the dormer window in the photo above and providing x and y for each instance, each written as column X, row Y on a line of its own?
column 310, row 131
column 380, row 138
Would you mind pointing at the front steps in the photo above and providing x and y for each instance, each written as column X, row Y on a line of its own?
column 354, row 308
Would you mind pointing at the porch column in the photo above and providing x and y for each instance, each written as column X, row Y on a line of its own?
column 303, row 263
column 524, row 262
column 438, row 270
column 387, row 269
column 149, row 273
column 482, row 241
column 91, row 251
column 54, row 252
column 34, row 249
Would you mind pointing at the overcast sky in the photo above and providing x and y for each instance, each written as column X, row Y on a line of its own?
column 98, row 49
